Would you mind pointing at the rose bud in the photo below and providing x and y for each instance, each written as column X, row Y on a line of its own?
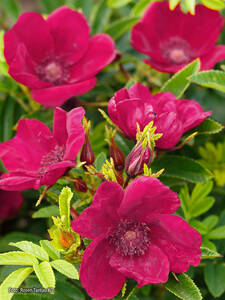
column 134, row 163
column 87, row 154
column 117, row 156
column 80, row 185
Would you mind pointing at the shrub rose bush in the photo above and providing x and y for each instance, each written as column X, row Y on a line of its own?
column 112, row 169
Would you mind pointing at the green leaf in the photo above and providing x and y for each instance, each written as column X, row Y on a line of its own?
column 100, row 159
column 214, row 4
column 65, row 268
column 211, row 79
column 200, row 203
column 173, row 4
column 11, row 7
column 118, row 3
column 199, row 226
column 214, row 275
column 140, row 7
column 17, row 258
column 209, row 126
column 185, row 200
column 100, row 17
column 32, row 248
column 50, row 5
column 217, row 233
column 200, row 191
column 182, row 168
column 179, row 82
column 211, row 221
column 64, row 205
column 16, row 237
column 86, row 6
column 46, row 212
column 208, row 244
column 184, row 289
column 45, row 274
column 14, row 280
column 209, row 254
column 118, row 28
column 52, row 252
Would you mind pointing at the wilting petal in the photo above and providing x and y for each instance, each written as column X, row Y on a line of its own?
column 191, row 113
column 70, row 32
column 177, row 239
column 100, row 280
column 100, row 53
column 38, row 41
column 59, row 94
column 152, row 267
column 147, row 195
column 102, row 213
column 75, row 132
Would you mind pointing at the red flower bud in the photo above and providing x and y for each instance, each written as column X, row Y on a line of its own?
column 80, row 185
column 134, row 163
column 87, row 154
column 117, row 156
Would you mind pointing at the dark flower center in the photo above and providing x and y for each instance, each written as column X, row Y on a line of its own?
column 53, row 70
column 130, row 238
column 54, row 156
column 177, row 51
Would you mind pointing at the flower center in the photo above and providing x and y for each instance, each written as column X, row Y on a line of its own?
column 177, row 51
column 130, row 238
column 54, row 156
column 55, row 71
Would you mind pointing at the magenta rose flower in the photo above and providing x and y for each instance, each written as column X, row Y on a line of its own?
column 56, row 58
column 10, row 203
column 134, row 235
column 36, row 156
column 172, row 39
column 172, row 117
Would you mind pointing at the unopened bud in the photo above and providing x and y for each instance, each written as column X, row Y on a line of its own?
column 87, row 154
column 80, row 185
column 66, row 239
column 134, row 163
column 117, row 156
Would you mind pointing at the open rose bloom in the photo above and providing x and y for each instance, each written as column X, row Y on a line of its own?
column 56, row 58
column 172, row 39
column 134, row 235
column 36, row 156
column 172, row 117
